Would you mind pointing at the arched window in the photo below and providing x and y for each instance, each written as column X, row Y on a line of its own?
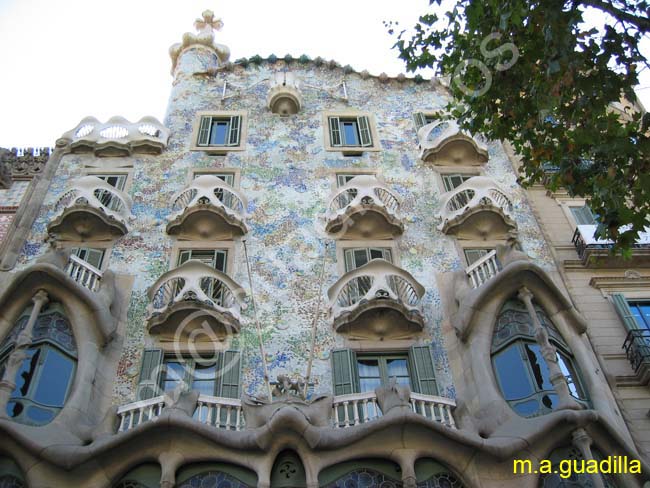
column 431, row 474
column 10, row 474
column 44, row 378
column 521, row 371
column 215, row 475
column 143, row 476
column 363, row 472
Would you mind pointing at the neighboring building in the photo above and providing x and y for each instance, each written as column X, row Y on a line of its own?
column 301, row 280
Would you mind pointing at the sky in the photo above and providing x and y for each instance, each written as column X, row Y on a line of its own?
column 62, row 60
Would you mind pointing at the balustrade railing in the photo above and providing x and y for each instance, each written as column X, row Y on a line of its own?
column 220, row 412
column 135, row 413
column 83, row 273
column 483, row 269
column 358, row 408
column 209, row 189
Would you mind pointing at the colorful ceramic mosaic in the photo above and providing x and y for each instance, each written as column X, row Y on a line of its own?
column 287, row 177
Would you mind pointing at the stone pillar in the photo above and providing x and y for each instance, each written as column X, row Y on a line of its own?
column 549, row 353
column 582, row 440
column 15, row 359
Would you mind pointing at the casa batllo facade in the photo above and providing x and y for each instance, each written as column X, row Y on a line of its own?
column 300, row 279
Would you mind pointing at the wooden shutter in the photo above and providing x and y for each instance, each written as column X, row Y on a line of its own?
column 624, row 311
column 420, row 120
column 204, row 131
column 235, row 130
column 364, row 131
column 230, row 374
column 335, row 131
column 149, row 374
column 344, row 372
column 423, row 373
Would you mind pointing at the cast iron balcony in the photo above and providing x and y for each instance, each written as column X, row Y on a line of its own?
column 195, row 296
column 442, row 142
column 208, row 209
column 377, row 301
column 117, row 137
column 637, row 349
column 595, row 252
column 477, row 209
column 364, row 208
column 91, row 209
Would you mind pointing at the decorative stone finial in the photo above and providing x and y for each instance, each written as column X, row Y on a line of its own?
column 206, row 27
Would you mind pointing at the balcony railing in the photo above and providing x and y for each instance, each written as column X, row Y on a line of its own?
column 376, row 279
column 474, row 195
column 443, row 142
column 214, row 192
column 227, row 413
column 637, row 350
column 362, row 195
column 222, row 413
column 587, row 245
column 483, row 269
column 358, row 408
column 196, row 282
column 97, row 193
column 83, row 273
column 117, row 137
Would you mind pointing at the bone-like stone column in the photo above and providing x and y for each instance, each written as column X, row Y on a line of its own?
column 583, row 441
column 15, row 359
column 549, row 353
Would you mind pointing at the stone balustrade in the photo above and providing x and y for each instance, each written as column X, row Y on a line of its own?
column 116, row 137
column 83, row 273
column 483, row 269
column 133, row 414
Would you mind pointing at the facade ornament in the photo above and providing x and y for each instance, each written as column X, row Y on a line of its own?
column 206, row 26
column 22, row 163
column 285, row 387
column 5, row 170
column 549, row 353
column 393, row 396
column 15, row 359
column 583, row 441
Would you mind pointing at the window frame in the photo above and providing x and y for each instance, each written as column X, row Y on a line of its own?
column 228, row 246
column 105, row 246
column 582, row 208
column 343, row 245
column 221, row 148
column 382, row 358
column 234, row 172
column 421, row 118
column 349, row 252
column 488, row 250
column 442, row 171
column 328, row 120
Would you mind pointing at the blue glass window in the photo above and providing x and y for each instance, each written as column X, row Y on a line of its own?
column 44, row 378
column 641, row 313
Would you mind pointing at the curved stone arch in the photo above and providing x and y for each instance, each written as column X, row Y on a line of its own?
column 430, row 473
column 380, row 472
column 238, row 476
column 92, row 326
column 144, row 475
column 11, row 474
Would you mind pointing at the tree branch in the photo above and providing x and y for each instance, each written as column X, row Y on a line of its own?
column 641, row 23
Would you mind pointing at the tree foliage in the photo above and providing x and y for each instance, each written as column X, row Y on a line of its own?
column 548, row 76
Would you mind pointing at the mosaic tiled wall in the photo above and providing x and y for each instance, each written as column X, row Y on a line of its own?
column 10, row 199
column 287, row 177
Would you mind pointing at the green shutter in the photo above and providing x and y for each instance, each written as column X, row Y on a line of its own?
column 235, row 126
column 149, row 374
column 204, row 131
column 344, row 372
column 364, row 131
column 624, row 312
column 230, row 374
column 420, row 120
column 335, row 131
column 423, row 373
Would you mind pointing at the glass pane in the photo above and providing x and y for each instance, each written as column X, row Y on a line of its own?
column 369, row 374
column 26, row 373
column 541, row 374
column 527, row 408
column 174, row 375
column 641, row 313
column 360, row 257
column 570, row 373
column 55, row 376
column 512, row 373
column 205, row 379
column 473, row 255
column 350, row 133
column 369, row 384
column 219, row 132
column 398, row 368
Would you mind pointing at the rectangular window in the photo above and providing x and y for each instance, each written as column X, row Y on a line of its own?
column 216, row 131
column 641, row 313
column 583, row 215
column 343, row 179
column 350, row 131
column 117, row 180
column 228, row 178
column 454, row 180
column 94, row 257
column 357, row 257
column 473, row 255
column 377, row 370
column 421, row 119
column 215, row 258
